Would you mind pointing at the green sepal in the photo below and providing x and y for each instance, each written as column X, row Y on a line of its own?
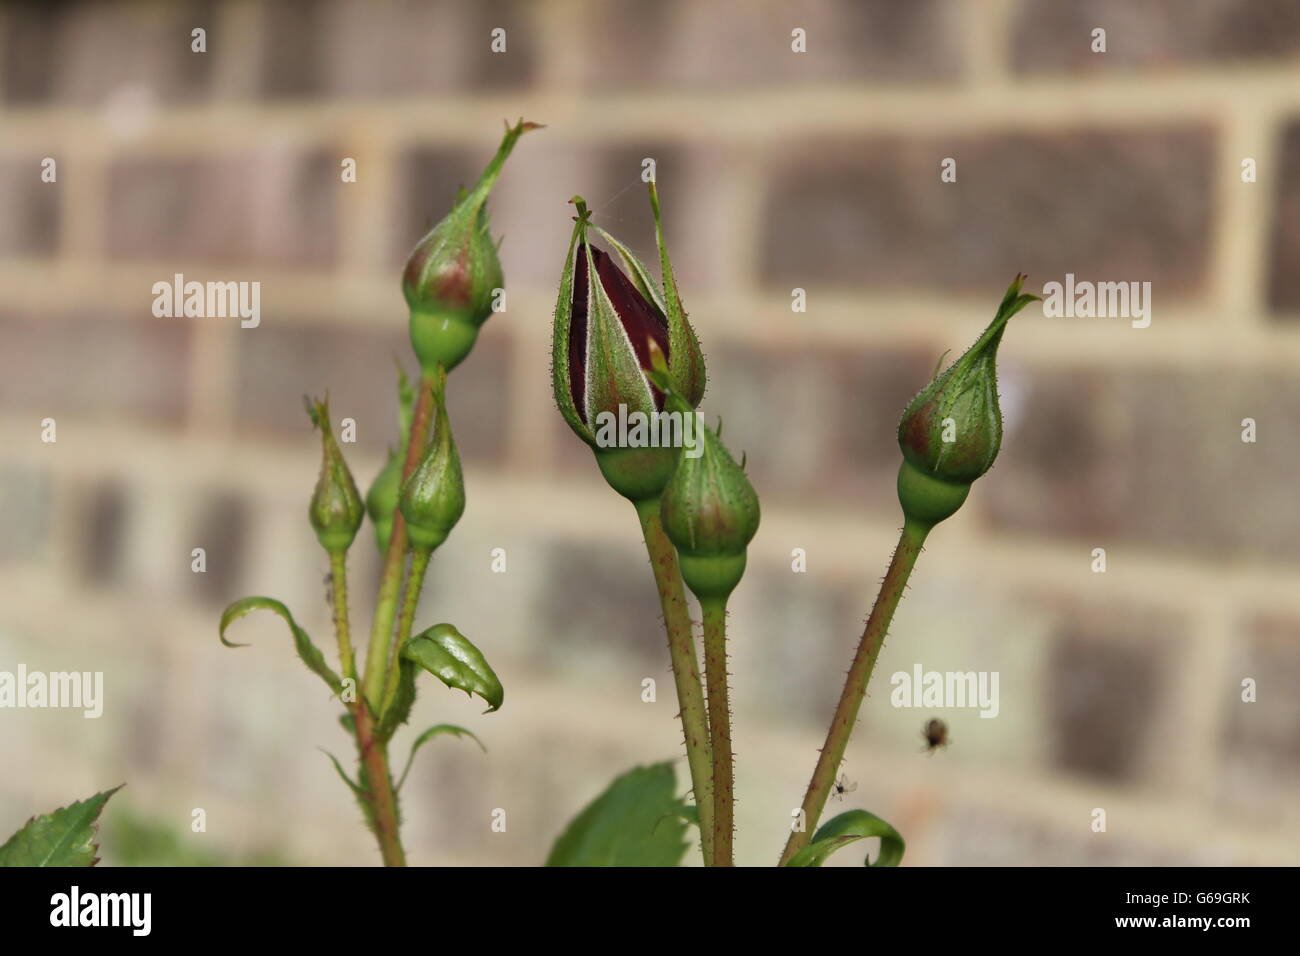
column 685, row 358
column 849, row 827
column 432, row 499
column 562, row 323
column 65, row 837
column 310, row 654
column 336, row 509
column 614, row 373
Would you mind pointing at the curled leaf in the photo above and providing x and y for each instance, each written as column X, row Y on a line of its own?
column 428, row 735
column 448, row 655
column 310, row 654
column 849, row 828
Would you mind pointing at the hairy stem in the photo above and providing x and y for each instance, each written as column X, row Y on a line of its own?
column 410, row 600
column 686, row 665
column 715, row 675
column 855, row 686
column 386, row 601
column 342, row 628
column 378, row 784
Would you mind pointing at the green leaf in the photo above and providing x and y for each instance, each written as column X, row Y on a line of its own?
column 428, row 735
column 353, row 786
column 357, row 789
column 65, row 837
column 849, row 828
column 448, row 655
column 310, row 654
column 635, row 822
column 399, row 711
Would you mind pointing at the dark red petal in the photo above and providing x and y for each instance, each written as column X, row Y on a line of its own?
column 641, row 319
column 578, row 335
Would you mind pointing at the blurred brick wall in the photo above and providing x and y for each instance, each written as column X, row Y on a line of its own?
column 779, row 170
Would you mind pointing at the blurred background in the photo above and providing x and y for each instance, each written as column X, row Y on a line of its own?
column 780, row 170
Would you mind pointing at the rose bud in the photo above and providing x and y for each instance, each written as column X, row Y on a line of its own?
column 710, row 513
column 381, row 499
column 336, row 510
column 952, row 430
column 606, row 320
column 452, row 275
column 433, row 497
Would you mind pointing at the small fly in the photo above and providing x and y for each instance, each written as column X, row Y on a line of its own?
column 935, row 733
column 843, row 786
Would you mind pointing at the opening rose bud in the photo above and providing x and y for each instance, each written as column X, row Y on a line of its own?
column 608, row 315
column 951, row 432
column 336, row 509
column 453, row 275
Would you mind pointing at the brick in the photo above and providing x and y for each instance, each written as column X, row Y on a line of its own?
column 293, row 64
column 1150, row 457
column 91, row 366
column 278, row 365
column 619, row 625
column 30, row 226
column 1284, row 278
column 86, row 53
column 106, row 513
column 275, row 209
column 805, row 633
column 28, row 49
column 872, row 213
column 1105, row 686
column 1155, row 35
column 427, row 183
column 422, row 48
column 536, row 223
column 818, row 423
column 26, row 511
column 222, row 532
column 1261, row 739
column 742, row 43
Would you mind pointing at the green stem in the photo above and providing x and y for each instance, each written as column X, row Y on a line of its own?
column 378, row 784
column 715, row 675
column 410, row 600
column 855, row 686
column 686, row 665
column 342, row 628
column 381, row 628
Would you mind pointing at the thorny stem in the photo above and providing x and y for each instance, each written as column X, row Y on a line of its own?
column 410, row 600
column 342, row 628
column 378, row 785
column 373, row 754
column 715, row 673
column 855, row 685
column 386, row 601
column 686, row 665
